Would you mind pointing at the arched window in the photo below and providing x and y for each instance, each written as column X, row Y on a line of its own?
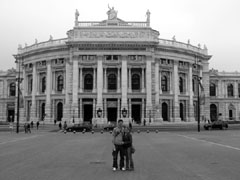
column 60, row 83
column 12, row 89
column 230, row 90
column 43, row 84
column 164, row 83
column 213, row 112
column 212, row 89
column 135, row 82
column 88, row 82
column 180, row 84
column 112, row 82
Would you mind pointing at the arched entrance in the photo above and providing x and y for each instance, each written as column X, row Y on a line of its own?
column 181, row 111
column 59, row 111
column 165, row 111
column 213, row 112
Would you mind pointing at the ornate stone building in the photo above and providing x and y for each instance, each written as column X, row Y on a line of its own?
column 112, row 69
column 224, row 95
column 7, row 95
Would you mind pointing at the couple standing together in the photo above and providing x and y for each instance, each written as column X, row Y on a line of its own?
column 122, row 144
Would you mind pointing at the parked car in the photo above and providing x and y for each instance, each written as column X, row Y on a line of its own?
column 219, row 124
column 110, row 126
column 79, row 127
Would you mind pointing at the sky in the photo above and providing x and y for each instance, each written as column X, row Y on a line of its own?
column 215, row 23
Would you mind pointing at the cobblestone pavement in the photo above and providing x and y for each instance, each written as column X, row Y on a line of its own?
column 164, row 155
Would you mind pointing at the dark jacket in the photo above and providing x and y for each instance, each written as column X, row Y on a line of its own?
column 127, row 139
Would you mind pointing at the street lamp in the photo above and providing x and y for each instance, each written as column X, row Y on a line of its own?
column 99, row 112
column 198, row 94
column 19, row 80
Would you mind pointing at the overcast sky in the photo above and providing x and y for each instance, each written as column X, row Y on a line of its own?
column 215, row 23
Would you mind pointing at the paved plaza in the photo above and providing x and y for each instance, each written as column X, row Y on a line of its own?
column 208, row 155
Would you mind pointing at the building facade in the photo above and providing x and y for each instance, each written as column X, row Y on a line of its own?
column 224, row 95
column 112, row 69
column 7, row 95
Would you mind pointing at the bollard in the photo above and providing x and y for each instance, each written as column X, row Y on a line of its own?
column 74, row 132
column 83, row 131
column 138, row 131
column 147, row 131
column 156, row 131
column 92, row 132
column 101, row 131
column 65, row 132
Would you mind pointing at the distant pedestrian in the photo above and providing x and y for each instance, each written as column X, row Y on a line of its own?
column 28, row 128
column 144, row 122
column 55, row 121
column 65, row 125
column 60, row 125
column 25, row 128
column 130, row 125
column 31, row 124
column 37, row 124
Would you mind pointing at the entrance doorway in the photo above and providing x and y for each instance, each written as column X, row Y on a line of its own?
column 10, row 117
column 59, row 111
column 213, row 112
column 112, row 114
column 165, row 111
column 181, row 112
column 136, row 113
column 87, row 113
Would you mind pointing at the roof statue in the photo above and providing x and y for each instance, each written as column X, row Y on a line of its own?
column 148, row 17
column 76, row 17
column 36, row 41
column 188, row 42
column 174, row 38
column 50, row 38
column 112, row 13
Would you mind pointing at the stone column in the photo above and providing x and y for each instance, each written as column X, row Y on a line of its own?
column 105, row 80
column 99, row 106
column 34, row 90
column 75, row 82
column 157, row 118
column 124, row 87
column 130, row 79
column 171, row 82
column 149, row 83
column 118, row 108
column 190, row 93
column 219, row 88
column 205, row 109
column 94, row 80
column 235, row 89
column 94, row 107
column 160, row 82
column 47, row 118
column 130, row 108
column 80, row 80
column 118, row 80
column 143, row 110
column 176, row 93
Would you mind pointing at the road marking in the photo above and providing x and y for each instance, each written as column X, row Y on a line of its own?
column 209, row 142
column 20, row 139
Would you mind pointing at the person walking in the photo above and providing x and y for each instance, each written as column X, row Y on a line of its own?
column 118, row 146
column 28, row 128
column 127, row 145
column 60, row 125
column 65, row 125
column 37, row 124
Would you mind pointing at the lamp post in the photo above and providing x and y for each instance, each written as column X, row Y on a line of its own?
column 198, row 95
column 124, row 112
column 18, row 94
